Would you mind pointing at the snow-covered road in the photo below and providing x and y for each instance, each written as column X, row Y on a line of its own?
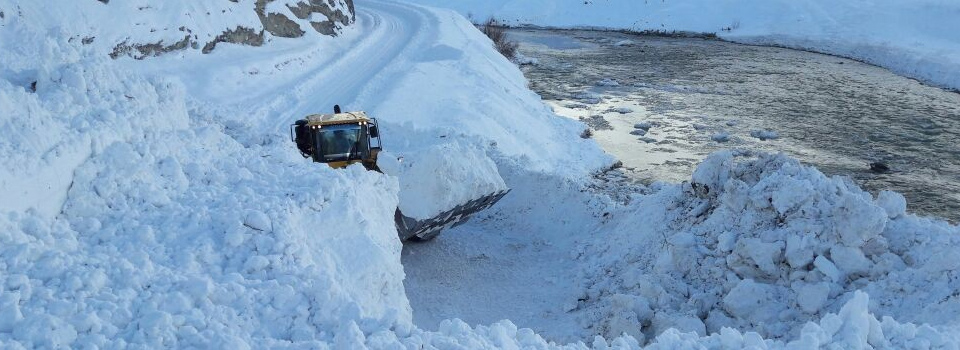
column 356, row 77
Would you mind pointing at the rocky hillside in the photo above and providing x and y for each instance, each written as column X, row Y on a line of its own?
column 142, row 29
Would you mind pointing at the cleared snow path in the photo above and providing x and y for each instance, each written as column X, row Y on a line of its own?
column 517, row 261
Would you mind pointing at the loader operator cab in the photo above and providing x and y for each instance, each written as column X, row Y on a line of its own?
column 338, row 139
column 339, row 142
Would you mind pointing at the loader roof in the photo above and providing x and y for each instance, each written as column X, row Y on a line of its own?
column 337, row 118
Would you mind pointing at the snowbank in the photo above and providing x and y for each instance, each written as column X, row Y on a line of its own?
column 441, row 177
column 912, row 38
column 766, row 244
column 161, row 230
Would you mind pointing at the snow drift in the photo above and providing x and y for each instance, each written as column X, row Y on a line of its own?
column 912, row 38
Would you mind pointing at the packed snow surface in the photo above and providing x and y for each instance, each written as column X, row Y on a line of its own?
column 913, row 38
column 159, row 204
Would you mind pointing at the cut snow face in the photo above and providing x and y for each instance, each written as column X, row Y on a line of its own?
column 767, row 244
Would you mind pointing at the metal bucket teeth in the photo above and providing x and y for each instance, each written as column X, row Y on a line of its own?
column 408, row 227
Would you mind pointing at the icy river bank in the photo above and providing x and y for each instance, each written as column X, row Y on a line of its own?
column 691, row 97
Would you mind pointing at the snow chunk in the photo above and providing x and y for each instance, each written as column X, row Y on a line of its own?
column 764, row 135
column 257, row 220
column 607, row 82
column 850, row 260
column 10, row 309
column 828, row 268
column 525, row 60
column 714, row 171
column 751, row 300
column 720, row 137
column 643, row 125
column 812, row 297
column 893, row 203
column 441, row 177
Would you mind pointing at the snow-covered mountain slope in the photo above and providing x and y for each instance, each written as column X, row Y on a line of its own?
column 159, row 203
column 912, row 38
column 143, row 28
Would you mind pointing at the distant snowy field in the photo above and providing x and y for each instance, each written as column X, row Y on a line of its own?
column 159, row 204
column 913, row 38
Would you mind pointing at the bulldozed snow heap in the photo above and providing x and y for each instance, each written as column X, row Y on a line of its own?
column 440, row 185
column 764, row 243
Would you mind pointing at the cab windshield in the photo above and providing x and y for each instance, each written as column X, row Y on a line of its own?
column 339, row 142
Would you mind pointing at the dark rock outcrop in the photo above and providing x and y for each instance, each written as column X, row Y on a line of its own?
column 240, row 35
column 141, row 51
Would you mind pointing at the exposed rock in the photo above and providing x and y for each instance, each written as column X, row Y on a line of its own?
column 277, row 24
column 879, row 167
column 141, row 51
column 240, row 35
column 304, row 10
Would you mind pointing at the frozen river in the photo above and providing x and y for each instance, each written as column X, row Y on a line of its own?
column 699, row 96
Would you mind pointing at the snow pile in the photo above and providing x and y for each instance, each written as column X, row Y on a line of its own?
column 55, row 115
column 766, row 244
column 130, row 217
column 853, row 327
column 441, row 177
column 913, row 38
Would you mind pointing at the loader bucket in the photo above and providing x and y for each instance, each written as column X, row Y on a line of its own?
column 421, row 230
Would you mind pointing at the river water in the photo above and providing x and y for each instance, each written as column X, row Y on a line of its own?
column 701, row 95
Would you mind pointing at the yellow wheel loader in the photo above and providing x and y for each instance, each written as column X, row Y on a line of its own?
column 341, row 139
